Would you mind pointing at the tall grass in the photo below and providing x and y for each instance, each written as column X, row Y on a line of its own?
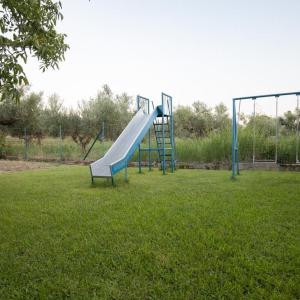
column 264, row 147
column 215, row 148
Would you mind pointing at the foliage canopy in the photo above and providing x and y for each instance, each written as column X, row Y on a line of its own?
column 28, row 28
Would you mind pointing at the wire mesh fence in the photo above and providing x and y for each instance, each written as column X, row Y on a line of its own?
column 23, row 144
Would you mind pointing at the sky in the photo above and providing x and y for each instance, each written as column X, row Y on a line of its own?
column 209, row 51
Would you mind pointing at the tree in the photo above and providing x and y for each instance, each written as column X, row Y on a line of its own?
column 221, row 117
column 28, row 27
column 289, row 121
column 9, row 111
column 113, row 110
column 203, row 118
column 80, row 127
column 53, row 116
column 199, row 120
column 123, row 103
column 29, row 117
column 183, row 121
column 264, row 125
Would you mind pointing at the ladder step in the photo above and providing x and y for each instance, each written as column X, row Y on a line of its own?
column 159, row 124
column 166, row 131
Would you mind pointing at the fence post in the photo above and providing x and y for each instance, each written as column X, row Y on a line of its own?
column 61, row 144
column 25, row 144
column 103, row 131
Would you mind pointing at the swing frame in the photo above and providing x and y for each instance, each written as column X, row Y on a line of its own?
column 235, row 146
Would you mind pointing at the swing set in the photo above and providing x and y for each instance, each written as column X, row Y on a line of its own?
column 236, row 120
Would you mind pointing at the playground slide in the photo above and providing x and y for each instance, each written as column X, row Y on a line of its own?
column 117, row 157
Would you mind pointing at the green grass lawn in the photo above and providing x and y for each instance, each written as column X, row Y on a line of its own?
column 189, row 235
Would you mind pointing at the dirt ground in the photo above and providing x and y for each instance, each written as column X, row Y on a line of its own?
column 14, row 166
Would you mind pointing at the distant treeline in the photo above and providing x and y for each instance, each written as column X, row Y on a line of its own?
column 53, row 119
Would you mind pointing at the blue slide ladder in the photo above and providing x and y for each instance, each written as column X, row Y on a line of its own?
column 164, row 134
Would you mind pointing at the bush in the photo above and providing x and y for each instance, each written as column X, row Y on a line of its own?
column 2, row 144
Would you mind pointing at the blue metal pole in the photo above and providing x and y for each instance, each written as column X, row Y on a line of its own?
column 233, row 138
column 163, row 134
column 277, row 132
column 155, row 149
column 138, row 107
column 267, row 95
column 237, row 142
column 237, row 158
column 149, row 140
column 172, row 134
column 254, row 131
column 297, row 130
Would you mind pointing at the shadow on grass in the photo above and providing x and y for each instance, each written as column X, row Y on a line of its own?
column 119, row 181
